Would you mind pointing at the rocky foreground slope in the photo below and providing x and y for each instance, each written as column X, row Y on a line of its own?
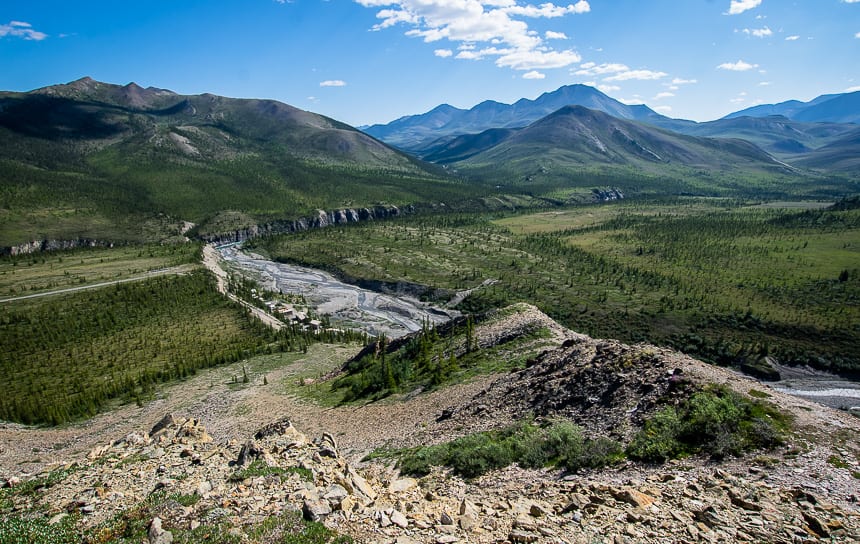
column 190, row 484
column 176, row 483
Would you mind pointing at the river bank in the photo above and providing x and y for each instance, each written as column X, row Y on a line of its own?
column 346, row 305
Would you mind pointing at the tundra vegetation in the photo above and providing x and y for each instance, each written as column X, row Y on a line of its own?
column 720, row 279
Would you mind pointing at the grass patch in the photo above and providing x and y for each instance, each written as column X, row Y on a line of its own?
column 36, row 530
column 755, row 393
column 715, row 421
column 558, row 444
column 836, row 461
column 259, row 468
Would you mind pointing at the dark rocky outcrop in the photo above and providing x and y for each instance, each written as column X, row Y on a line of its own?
column 38, row 246
column 320, row 220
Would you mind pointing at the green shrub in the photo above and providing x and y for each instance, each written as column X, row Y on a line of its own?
column 259, row 468
column 715, row 421
column 559, row 443
column 36, row 530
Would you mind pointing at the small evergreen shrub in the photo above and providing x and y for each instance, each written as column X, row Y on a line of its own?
column 559, row 443
column 715, row 421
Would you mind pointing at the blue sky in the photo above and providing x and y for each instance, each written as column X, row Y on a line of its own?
column 370, row 61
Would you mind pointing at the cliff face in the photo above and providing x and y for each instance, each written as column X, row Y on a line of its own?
column 320, row 220
column 37, row 246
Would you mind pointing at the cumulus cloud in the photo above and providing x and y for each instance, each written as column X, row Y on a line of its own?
column 534, row 74
column 759, row 32
column 792, row 38
column 443, row 53
column 739, row 66
column 852, row 89
column 740, row 6
column 661, row 96
column 680, row 81
column 608, row 88
column 663, row 109
column 495, row 28
column 333, row 83
column 20, row 29
column 592, row 69
column 636, row 74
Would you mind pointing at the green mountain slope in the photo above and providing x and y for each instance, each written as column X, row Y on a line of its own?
column 576, row 145
column 95, row 160
column 775, row 134
column 840, row 155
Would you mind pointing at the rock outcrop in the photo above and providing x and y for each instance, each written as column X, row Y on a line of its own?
column 321, row 219
column 193, row 481
column 37, row 246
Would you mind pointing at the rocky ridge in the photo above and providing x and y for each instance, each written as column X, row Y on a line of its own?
column 193, row 480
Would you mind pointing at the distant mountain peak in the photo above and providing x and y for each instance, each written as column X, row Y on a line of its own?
column 830, row 108
column 418, row 132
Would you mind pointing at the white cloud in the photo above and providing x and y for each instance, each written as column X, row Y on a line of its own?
column 630, row 101
column 520, row 59
column 852, row 89
column 20, row 29
column 679, row 81
column 792, row 38
column 444, row 53
column 333, row 83
column 494, row 28
column 850, row 1
column 858, row 34
column 759, row 32
column 765, row 84
column 592, row 69
column 662, row 95
column 547, row 10
column 739, row 66
column 740, row 6
column 534, row 74
column 662, row 109
column 608, row 88
column 636, row 74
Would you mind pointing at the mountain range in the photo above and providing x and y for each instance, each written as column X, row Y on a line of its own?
column 92, row 160
column 827, row 108
column 414, row 133
column 786, row 130
column 95, row 158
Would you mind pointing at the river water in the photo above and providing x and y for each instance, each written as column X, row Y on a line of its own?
column 347, row 306
column 820, row 387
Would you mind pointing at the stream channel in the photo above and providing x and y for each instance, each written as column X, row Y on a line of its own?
column 346, row 305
